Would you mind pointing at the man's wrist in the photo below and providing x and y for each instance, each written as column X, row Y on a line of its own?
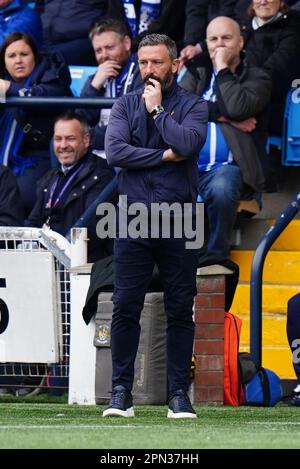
column 158, row 109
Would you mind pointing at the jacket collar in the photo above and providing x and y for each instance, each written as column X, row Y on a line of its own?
column 246, row 26
column 86, row 159
column 171, row 89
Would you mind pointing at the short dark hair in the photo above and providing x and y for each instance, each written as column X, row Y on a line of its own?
column 71, row 115
column 157, row 40
column 109, row 24
column 14, row 37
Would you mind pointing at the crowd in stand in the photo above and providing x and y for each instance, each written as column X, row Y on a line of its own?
column 240, row 56
column 37, row 45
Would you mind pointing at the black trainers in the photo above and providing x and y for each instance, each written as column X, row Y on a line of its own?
column 120, row 403
column 294, row 399
column 180, row 406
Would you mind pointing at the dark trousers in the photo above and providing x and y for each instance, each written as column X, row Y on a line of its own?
column 134, row 262
column 293, row 331
column 27, row 181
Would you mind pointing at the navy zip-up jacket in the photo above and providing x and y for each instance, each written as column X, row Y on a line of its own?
column 136, row 142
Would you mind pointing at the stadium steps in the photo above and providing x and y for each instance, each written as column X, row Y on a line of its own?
column 281, row 280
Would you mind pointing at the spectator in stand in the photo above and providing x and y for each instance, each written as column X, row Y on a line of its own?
column 150, row 16
column 230, row 163
column 66, row 25
column 198, row 14
column 64, row 193
column 15, row 16
column 118, row 74
column 242, row 7
column 272, row 41
column 11, row 207
column 25, row 136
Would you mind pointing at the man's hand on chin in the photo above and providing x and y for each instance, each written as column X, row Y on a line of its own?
column 152, row 95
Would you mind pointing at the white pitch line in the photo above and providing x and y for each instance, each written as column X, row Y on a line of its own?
column 272, row 423
column 125, row 427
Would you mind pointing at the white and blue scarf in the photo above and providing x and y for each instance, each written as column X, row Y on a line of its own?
column 12, row 136
column 150, row 11
column 113, row 88
column 215, row 151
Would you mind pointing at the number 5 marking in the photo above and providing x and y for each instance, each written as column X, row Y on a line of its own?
column 4, row 314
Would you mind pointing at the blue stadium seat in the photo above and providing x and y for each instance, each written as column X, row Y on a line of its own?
column 275, row 141
column 291, row 130
column 79, row 75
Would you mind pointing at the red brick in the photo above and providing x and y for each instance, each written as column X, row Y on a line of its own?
column 200, row 394
column 208, row 300
column 209, row 331
column 202, row 301
column 209, row 378
column 216, row 394
column 212, row 316
column 215, row 284
column 209, row 347
column 210, row 363
column 206, row 395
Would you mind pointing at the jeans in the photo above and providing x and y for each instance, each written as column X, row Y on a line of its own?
column 134, row 262
column 221, row 190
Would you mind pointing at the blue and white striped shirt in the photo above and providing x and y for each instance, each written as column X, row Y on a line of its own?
column 215, row 151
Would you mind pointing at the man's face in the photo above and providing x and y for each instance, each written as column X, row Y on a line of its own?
column 266, row 9
column 3, row 3
column 222, row 32
column 71, row 142
column 111, row 46
column 155, row 62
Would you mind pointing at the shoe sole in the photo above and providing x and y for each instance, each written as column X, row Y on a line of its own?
column 118, row 413
column 180, row 415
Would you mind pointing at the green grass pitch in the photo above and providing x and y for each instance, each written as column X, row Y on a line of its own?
column 49, row 425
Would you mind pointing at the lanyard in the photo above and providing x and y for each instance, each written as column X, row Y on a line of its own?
column 50, row 203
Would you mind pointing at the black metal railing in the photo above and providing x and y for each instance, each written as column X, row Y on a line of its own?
column 261, row 252
column 57, row 101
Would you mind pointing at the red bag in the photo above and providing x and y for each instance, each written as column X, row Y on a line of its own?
column 233, row 389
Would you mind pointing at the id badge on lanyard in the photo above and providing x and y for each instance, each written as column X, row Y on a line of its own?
column 104, row 117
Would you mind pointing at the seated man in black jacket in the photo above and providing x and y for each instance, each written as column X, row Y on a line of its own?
column 230, row 162
column 65, row 193
column 11, row 207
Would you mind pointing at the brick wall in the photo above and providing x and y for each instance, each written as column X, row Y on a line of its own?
column 209, row 335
